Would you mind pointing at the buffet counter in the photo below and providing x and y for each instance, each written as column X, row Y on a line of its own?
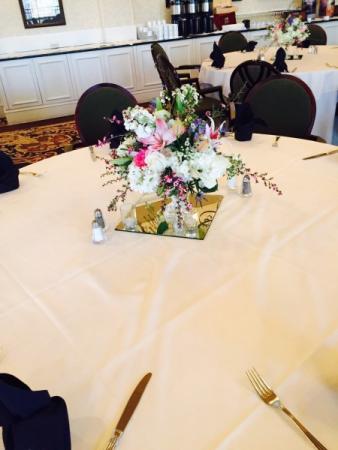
column 47, row 83
column 62, row 50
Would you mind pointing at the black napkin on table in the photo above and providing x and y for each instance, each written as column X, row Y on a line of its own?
column 250, row 46
column 9, row 174
column 32, row 420
column 245, row 122
column 279, row 62
column 218, row 59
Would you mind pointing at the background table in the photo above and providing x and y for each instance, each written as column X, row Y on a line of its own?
column 312, row 69
column 88, row 321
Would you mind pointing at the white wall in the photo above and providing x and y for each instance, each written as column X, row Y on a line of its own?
column 86, row 14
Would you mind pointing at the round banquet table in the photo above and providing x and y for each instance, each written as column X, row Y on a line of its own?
column 312, row 68
column 88, row 321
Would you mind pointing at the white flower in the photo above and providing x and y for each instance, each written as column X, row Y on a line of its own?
column 181, row 169
column 143, row 131
column 143, row 180
column 128, row 143
column 162, row 114
column 208, row 167
column 140, row 121
column 156, row 161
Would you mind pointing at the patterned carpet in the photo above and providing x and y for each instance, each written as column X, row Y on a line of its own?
column 29, row 145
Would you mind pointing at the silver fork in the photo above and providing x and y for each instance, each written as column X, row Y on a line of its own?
column 270, row 398
column 33, row 174
column 275, row 142
column 92, row 153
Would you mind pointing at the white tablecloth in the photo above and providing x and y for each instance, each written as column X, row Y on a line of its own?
column 312, row 69
column 88, row 321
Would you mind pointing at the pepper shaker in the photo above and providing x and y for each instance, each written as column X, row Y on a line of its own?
column 246, row 186
column 99, row 218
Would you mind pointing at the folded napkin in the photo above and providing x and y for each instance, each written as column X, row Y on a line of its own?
column 279, row 62
column 250, row 46
column 9, row 174
column 244, row 122
column 32, row 420
column 218, row 59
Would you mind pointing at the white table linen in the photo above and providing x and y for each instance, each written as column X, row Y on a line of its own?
column 312, row 69
column 88, row 321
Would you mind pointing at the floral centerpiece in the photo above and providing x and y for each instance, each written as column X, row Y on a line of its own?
column 169, row 150
column 289, row 31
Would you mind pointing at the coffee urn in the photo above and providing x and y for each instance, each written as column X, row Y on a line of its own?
column 206, row 14
column 194, row 19
column 192, row 16
column 175, row 10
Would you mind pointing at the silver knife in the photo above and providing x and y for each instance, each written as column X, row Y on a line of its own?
column 319, row 155
column 128, row 412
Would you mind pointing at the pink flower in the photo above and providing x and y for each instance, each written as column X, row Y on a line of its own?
column 104, row 141
column 162, row 136
column 211, row 132
column 139, row 158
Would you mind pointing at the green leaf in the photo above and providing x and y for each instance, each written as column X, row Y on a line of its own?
column 213, row 189
column 159, row 106
column 162, row 228
column 160, row 191
column 179, row 106
column 122, row 161
column 202, row 232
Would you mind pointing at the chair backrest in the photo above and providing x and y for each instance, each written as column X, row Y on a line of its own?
column 286, row 104
column 167, row 73
column 247, row 75
column 232, row 41
column 157, row 49
column 317, row 35
column 95, row 105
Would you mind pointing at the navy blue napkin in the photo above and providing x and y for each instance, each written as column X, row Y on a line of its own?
column 9, row 174
column 32, row 420
column 279, row 62
column 218, row 59
column 244, row 122
column 250, row 46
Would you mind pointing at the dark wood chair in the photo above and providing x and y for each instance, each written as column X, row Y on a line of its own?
column 157, row 49
column 232, row 41
column 98, row 104
column 286, row 104
column 247, row 75
column 172, row 81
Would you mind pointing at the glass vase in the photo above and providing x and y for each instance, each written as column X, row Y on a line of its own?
column 232, row 183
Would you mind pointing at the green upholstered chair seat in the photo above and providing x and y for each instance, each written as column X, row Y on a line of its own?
column 97, row 103
column 317, row 35
column 232, row 41
column 286, row 104
column 247, row 75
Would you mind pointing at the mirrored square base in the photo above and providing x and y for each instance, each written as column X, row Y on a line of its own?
column 149, row 216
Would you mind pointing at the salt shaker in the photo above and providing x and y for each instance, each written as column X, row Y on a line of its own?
column 98, row 235
column 246, row 186
column 99, row 218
